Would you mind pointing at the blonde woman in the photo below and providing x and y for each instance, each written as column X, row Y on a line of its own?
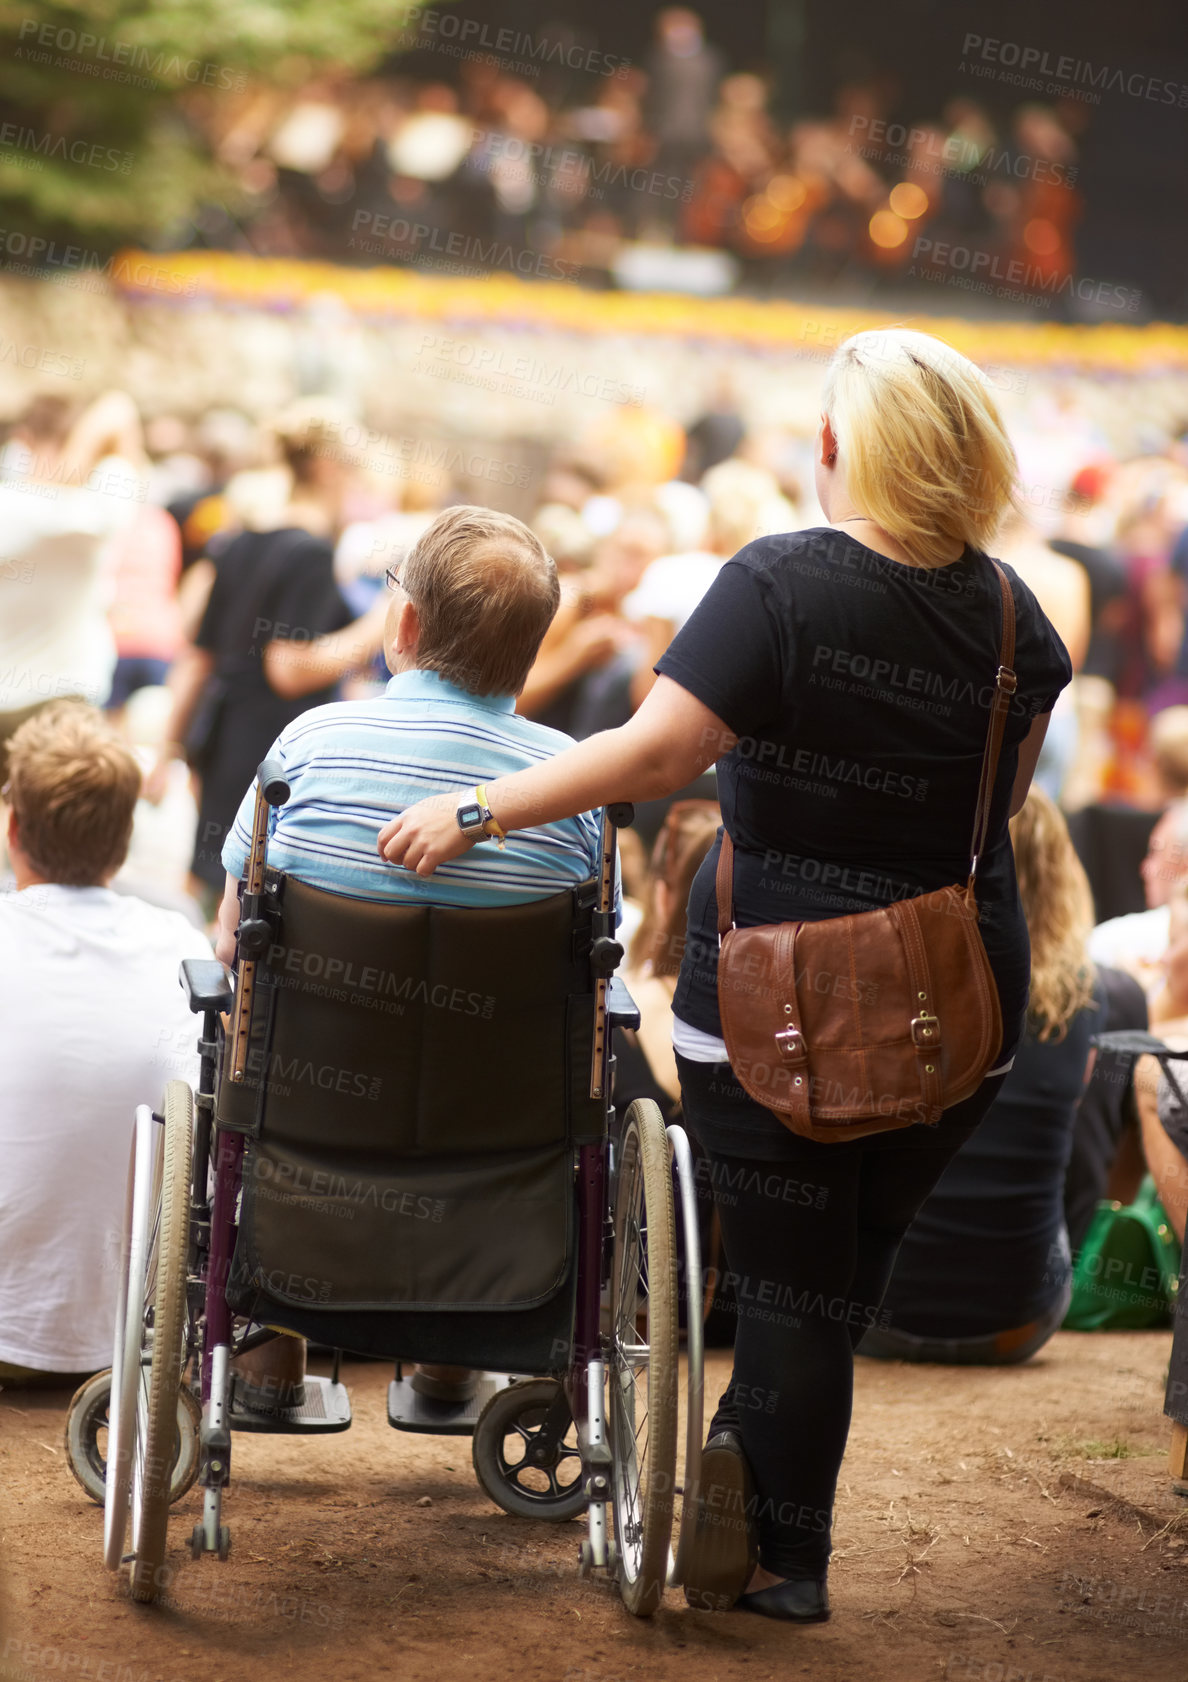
column 983, row 1277
column 841, row 679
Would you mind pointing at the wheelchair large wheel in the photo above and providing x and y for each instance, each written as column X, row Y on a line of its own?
column 642, row 1366
column 519, row 1468
column 88, row 1425
column 153, row 1352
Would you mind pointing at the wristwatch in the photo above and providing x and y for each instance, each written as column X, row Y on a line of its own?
column 476, row 819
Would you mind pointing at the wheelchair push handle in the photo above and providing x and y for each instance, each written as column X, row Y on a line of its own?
column 606, row 952
column 272, row 783
column 255, row 932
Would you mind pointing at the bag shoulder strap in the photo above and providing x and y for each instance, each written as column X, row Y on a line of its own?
column 1005, row 684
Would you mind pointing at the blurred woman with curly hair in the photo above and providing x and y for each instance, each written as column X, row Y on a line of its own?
column 983, row 1276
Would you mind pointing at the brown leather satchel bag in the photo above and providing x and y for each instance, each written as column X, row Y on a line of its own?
column 862, row 1024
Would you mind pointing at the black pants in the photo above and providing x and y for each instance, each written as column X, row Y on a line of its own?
column 810, row 1239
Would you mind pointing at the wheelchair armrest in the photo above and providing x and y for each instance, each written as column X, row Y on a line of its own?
column 621, row 1009
column 1135, row 1042
column 206, row 984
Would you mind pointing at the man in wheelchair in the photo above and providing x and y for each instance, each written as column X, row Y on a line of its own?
column 402, row 1142
column 470, row 605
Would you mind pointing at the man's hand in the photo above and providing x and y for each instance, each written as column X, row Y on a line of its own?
column 425, row 835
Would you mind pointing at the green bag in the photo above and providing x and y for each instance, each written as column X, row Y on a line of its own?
column 1128, row 1269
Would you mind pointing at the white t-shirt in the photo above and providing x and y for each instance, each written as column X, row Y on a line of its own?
column 54, row 635
column 93, row 1022
column 1134, row 943
column 672, row 586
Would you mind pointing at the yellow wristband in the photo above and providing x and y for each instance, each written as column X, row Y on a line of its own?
column 491, row 824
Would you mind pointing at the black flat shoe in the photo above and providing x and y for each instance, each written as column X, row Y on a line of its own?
column 803, row 1601
column 724, row 1549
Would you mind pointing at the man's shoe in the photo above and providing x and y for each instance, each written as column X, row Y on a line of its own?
column 444, row 1384
column 270, row 1379
column 725, row 1545
column 797, row 1601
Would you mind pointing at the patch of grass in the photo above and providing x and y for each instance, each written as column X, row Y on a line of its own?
column 1090, row 1449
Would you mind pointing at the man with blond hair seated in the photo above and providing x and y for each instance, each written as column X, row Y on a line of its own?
column 94, row 1023
column 470, row 604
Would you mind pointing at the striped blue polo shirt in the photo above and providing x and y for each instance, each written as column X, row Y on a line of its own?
column 352, row 765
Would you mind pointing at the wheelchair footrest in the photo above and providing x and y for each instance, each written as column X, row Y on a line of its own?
column 326, row 1408
column 408, row 1410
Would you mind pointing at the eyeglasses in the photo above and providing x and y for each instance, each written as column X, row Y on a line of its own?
column 392, row 574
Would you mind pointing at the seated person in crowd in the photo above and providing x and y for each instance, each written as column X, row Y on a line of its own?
column 1106, row 1158
column 983, row 1276
column 1163, row 1120
column 471, row 602
column 1136, row 943
column 94, row 1023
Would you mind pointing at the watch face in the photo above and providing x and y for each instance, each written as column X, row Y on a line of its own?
column 470, row 817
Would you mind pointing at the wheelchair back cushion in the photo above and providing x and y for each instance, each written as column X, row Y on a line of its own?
column 419, row 1030
column 417, row 1079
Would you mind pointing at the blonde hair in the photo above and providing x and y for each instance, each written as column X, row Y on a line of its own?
column 920, row 440
column 1058, row 907
column 689, row 832
column 73, row 785
column 740, row 494
column 485, row 590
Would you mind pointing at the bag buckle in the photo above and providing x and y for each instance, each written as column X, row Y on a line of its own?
column 926, row 1032
column 791, row 1046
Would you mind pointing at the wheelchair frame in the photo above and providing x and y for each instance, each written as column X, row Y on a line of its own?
column 174, row 1317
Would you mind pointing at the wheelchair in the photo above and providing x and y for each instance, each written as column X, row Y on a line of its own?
column 403, row 1145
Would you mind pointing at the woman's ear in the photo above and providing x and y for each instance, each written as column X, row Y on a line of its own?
column 828, row 443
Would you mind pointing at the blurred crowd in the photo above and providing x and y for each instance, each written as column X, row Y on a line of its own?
column 205, row 579
column 117, row 528
column 545, row 156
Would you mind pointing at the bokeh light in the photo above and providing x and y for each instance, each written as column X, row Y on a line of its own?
column 1041, row 236
column 908, row 200
column 887, row 230
column 788, row 192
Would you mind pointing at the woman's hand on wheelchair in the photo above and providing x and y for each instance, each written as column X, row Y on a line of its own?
column 424, row 835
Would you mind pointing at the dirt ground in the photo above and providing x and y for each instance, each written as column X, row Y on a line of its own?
column 992, row 1526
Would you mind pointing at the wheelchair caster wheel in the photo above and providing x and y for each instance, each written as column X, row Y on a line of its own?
column 528, row 1468
column 88, row 1417
column 197, row 1540
column 585, row 1559
column 224, row 1541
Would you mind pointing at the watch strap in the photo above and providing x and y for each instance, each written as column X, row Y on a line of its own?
column 491, row 824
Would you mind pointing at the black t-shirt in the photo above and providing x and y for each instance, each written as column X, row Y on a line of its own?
column 859, row 689
column 271, row 586
column 268, row 586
